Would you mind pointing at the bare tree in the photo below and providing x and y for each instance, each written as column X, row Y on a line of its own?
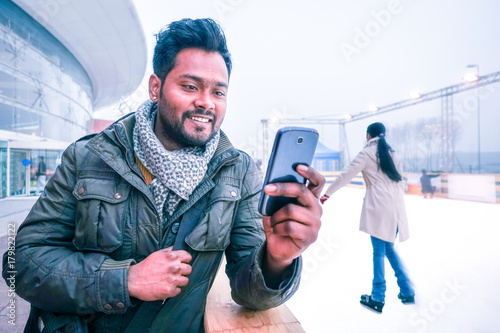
column 417, row 143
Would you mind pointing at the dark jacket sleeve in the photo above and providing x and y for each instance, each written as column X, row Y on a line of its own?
column 247, row 249
column 51, row 273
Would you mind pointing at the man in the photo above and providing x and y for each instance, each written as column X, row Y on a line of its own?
column 99, row 240
column 426, row 183
column 41, row 175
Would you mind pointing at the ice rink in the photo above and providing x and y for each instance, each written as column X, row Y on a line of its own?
column 453, row 258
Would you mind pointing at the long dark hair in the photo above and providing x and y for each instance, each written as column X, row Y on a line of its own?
column 383, row 152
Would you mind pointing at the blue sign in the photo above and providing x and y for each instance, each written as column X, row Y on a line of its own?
column 26, row 162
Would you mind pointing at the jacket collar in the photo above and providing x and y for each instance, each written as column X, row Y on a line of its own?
column 117, row 140
column 121, row 133
column 372, row 141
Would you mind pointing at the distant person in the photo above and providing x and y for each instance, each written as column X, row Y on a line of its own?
column 383, row 215
column 41, row 176
column 135, row 222
column 425, row 181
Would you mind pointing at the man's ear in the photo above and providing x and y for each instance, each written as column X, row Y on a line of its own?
column 154, row 88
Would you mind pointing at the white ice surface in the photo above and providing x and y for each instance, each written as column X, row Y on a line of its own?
column 452, row 256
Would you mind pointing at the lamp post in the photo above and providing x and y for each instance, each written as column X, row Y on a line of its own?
column 478, row 119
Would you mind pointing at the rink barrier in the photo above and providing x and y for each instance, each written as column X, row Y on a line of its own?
column 358, row 181
column 465, row 186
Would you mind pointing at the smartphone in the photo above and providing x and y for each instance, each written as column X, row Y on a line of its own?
column 292, row 146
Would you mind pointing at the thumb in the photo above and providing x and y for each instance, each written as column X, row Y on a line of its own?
column 168, row 249
column 266, row 222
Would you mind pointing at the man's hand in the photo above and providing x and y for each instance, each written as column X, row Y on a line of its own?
column 293, row 228
column 160, row 276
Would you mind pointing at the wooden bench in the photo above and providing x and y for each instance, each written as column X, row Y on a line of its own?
column 223, row 315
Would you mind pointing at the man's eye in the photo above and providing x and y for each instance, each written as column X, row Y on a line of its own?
column 220, row 93
column 190, row 87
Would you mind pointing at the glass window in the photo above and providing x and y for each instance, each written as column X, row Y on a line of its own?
column 6, row 116
column 44, row 90
column 26, row 122
column 321, row 165
column 7, row 85
column 50, row 158
column 5, row 56
column 17, row 172
column 3, row 171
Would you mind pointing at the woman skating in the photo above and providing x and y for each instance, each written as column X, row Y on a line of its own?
column 383, row 215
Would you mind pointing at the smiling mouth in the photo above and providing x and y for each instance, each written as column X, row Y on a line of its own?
column 200, row 119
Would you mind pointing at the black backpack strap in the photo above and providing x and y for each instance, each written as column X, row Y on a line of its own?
column 148, row 311
column 56, row 323
column 53, row 322
column 144, row 317
column 32, row 323
column 189, row 222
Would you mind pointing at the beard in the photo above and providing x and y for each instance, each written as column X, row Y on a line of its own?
column 174, row 130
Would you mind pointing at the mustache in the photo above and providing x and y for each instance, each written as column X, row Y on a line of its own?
column 199, row 112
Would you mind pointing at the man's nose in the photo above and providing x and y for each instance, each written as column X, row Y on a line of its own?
column 204, row 101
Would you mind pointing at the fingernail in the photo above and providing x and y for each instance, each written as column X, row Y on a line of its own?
column 302, row 167
column 271, row 188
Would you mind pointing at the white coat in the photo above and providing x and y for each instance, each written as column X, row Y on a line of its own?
column 383, row 214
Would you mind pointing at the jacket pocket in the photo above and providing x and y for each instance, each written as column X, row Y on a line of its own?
column 213, row 233
column 102, row 209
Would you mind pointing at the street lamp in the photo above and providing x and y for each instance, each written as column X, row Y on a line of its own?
column 472, row 79
column 415, row 94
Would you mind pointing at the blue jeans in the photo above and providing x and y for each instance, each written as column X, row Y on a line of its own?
column 382, row 249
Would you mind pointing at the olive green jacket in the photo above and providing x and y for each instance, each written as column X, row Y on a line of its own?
column 97, row 216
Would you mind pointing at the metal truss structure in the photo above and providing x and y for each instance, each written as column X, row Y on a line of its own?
column 447, row 112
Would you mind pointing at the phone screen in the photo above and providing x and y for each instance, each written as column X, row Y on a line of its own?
column 292, row 146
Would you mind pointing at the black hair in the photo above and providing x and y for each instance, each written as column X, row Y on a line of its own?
column 204, row 34
column 385, row 161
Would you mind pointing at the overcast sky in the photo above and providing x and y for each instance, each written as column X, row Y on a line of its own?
column 300, row 59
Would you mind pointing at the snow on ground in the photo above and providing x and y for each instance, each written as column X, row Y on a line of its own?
column 452, row 256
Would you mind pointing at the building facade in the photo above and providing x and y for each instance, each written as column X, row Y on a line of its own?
column 50, row 86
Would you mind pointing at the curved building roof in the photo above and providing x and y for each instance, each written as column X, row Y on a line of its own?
column 106, row 37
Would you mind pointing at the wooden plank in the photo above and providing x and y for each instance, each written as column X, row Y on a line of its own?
column 223, row 315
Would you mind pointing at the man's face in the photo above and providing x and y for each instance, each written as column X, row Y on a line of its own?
column 192, row 101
